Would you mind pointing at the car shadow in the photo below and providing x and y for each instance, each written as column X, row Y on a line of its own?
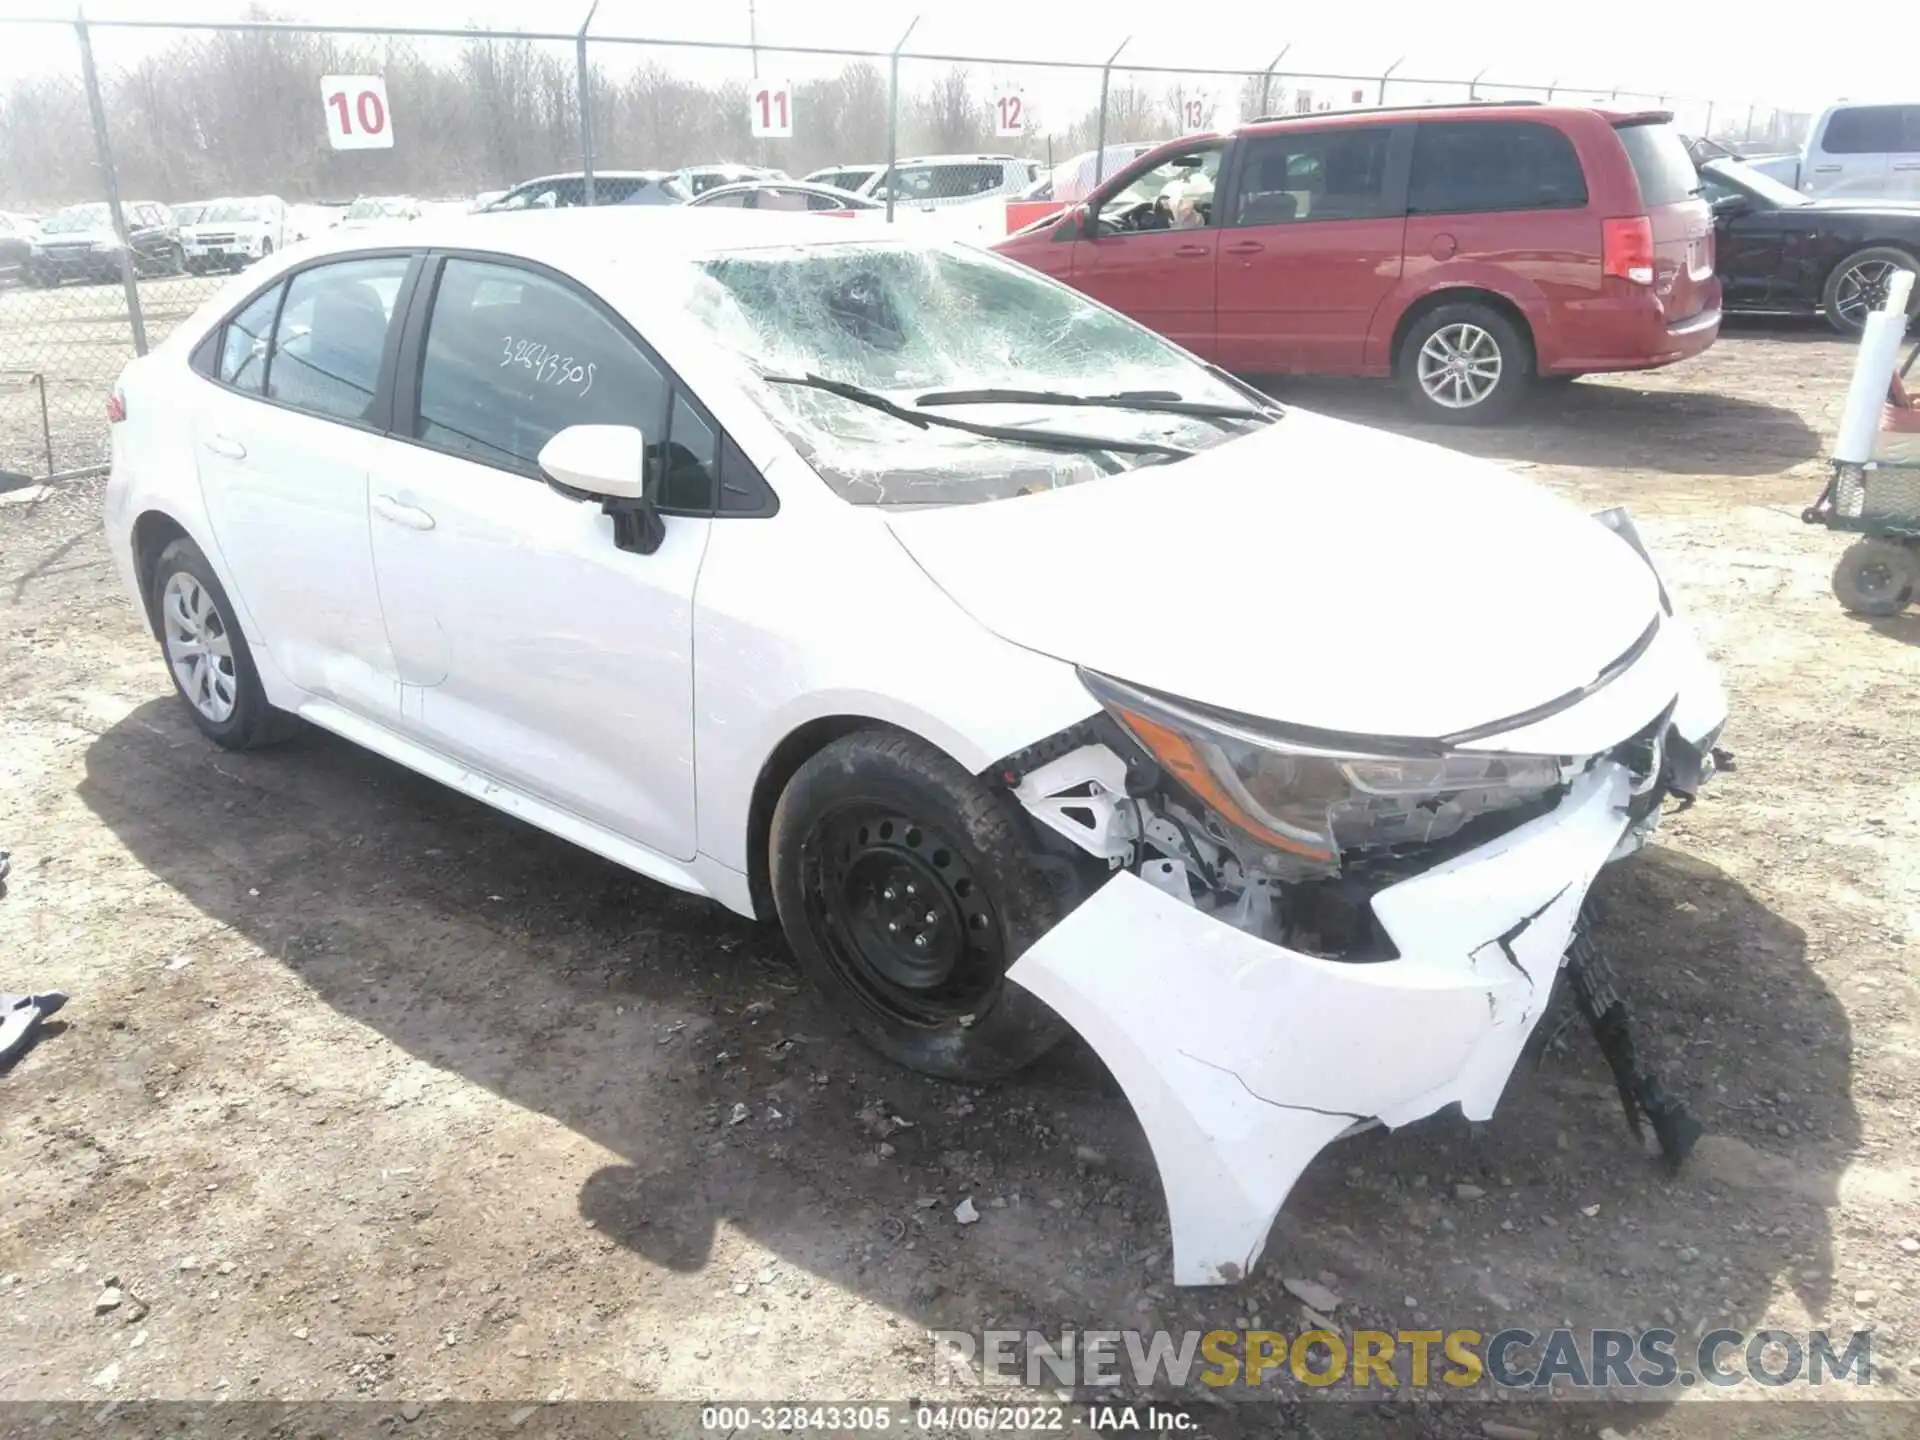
column 679, row 1038
column 1585, row 424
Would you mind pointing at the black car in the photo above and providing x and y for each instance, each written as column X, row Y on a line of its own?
column 16, row 241
column 78, row 243
column 1779, row 250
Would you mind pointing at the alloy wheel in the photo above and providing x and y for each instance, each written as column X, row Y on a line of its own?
column 1459, row 365
column 1862, row 289
column 198, row 647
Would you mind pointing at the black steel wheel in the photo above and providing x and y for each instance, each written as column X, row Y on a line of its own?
column 1876, row 577
column 906, row 888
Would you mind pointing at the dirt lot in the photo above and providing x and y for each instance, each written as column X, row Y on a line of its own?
column 367, row 1091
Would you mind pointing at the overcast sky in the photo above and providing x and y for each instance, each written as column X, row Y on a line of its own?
column 1675, row 49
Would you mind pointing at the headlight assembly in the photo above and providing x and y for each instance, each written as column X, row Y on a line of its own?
column 1303, row 804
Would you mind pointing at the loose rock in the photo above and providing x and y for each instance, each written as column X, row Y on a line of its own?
column 1311, row 1294
column 964, row 1211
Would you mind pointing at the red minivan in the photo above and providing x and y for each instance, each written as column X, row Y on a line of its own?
column 1466, row 250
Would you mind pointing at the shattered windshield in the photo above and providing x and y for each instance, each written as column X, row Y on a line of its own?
column 905, row 321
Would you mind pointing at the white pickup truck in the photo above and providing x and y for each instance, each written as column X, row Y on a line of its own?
column 1855, row 151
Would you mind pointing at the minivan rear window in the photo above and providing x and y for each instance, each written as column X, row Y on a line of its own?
column 1660, row 163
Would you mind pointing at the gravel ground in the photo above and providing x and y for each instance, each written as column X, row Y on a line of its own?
column 366, row 1091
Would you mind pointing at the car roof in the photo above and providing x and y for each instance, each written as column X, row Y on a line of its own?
column 587, row 237
column 1490, row 110
column 598, row 174
column 951, row 159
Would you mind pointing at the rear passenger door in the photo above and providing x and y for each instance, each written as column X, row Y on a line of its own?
column 1501, row 204
column 534, row 649
column 1853, row 156
column 284, row 435
column 1312, row 245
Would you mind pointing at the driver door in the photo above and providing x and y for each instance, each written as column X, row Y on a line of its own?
column 1150, row 264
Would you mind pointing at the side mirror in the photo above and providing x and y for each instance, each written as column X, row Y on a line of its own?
column 1078, row 224
column 610, row 463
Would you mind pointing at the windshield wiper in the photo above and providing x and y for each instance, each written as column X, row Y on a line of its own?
column 1041, row 439
column 1163, row 402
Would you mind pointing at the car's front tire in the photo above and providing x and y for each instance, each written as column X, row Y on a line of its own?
column 1858, row 286
column 907, row 887
column 206, row 654
column 1465, row 364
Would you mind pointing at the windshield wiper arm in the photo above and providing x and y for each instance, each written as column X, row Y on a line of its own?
column 1041, row 439
column 1164, row 402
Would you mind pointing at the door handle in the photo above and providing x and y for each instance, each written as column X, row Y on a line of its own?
column 1189, row 251
column 411, row 516
column 1910, row 165
column 1826, row 169
column 1246, row 247
column 221, row 445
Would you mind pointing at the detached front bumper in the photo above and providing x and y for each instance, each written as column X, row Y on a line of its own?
column 1243, row 1058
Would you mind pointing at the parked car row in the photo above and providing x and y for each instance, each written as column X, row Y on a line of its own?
column 1466, row 251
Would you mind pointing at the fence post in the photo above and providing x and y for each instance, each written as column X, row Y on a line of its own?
column 586, row 105
column 1100, row 133
column 1706, row 131
column 112, row 181
column 1473, row 85
column 1382, row 98
column 1266, row 80
column 893, row 115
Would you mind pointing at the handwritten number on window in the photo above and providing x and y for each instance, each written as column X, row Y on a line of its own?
column 548, row 365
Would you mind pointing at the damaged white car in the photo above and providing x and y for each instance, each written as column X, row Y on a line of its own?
column 1036, row 675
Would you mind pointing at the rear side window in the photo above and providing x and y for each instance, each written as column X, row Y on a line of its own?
column 945, row 182
column 1872, row 130
column 1504, row 165
column 1660, row 163
column 512, row 358
column 331, row 335
column 1338, row 174
column 243, row 348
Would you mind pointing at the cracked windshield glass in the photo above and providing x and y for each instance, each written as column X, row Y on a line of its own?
column 906, row 322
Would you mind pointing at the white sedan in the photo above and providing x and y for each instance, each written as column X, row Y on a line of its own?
column 1033, row 673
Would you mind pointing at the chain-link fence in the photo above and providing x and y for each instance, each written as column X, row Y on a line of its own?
column 148, row 159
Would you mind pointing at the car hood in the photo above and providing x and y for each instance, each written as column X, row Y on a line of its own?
column 1315, row 573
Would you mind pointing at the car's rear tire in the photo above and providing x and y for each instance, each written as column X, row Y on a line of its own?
column 206, row 654
column 1858, row 286
column 1876, row 577
column 906, row 888
column 1465, row 363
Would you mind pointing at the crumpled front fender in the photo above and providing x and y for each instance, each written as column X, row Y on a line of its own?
column 1242, row 1058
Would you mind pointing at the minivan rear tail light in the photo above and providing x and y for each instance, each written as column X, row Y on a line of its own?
column 1626, row 248
column 116, row 407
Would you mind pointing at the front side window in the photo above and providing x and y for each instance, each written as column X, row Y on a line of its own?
column 906, row 320
column 1176, row 194
column 513, row 357
column 1465, row 166
column 331, row 335
column 1335, row 174
column 244, row 346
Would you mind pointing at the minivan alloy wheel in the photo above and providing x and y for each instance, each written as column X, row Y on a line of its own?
column 1459, row 365
column 198, row 647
